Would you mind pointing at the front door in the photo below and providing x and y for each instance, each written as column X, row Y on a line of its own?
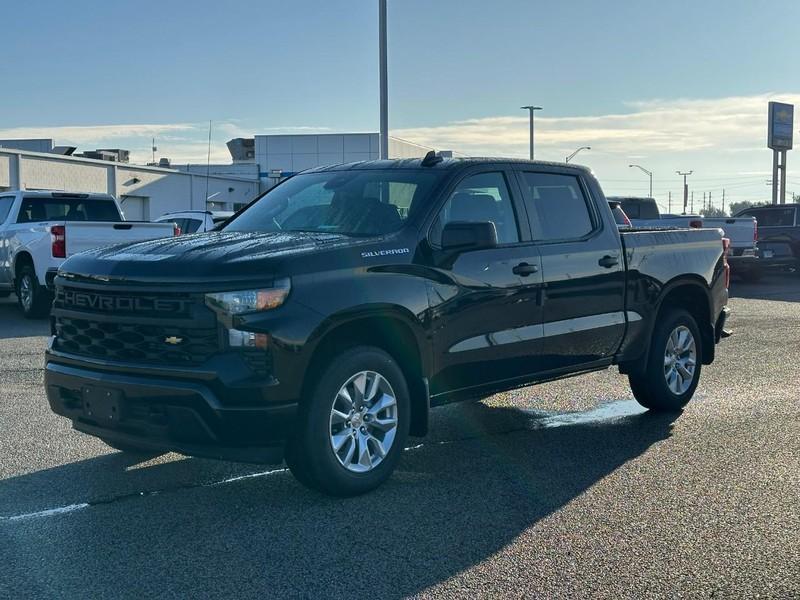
column 486, row 303
column 582, row 266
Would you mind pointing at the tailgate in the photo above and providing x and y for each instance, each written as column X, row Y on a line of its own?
column 741, row 232
column 88, row 235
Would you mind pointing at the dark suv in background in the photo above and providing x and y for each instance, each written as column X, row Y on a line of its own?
column 778, row 234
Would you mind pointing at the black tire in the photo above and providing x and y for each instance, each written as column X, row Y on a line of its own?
column 40, row 300
column 127, row 448
column 310, row 454
column 649, row 382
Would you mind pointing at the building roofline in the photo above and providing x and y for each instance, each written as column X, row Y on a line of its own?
column 111, row 163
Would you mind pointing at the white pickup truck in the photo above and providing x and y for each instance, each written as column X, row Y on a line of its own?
column 39, row 230
column 741, row 231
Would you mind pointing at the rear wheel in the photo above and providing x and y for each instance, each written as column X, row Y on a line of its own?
column 668, row 381
column 353, row 427
column 34, row 299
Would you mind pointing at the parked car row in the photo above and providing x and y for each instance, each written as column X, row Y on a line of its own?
column 761, row 238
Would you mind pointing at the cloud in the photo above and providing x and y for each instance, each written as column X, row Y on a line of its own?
column 653, row 126
column 91, row 134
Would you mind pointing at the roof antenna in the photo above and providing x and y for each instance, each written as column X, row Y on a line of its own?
column 431, row 159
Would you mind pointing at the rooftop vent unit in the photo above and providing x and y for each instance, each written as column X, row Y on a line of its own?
column 242, row 149
column 64, row 150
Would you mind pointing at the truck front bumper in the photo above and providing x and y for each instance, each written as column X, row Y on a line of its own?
column 163, row 414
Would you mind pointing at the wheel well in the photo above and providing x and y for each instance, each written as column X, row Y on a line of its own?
column 390, row 335
column 23, row 259
column 694, row 300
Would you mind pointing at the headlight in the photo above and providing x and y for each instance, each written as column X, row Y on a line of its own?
column 250, row 301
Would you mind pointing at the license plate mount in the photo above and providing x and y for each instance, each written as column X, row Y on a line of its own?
column 103, row 405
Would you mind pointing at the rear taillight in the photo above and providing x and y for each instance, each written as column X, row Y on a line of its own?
column 58, row 236
column 175, row 229
column 627, row 220
column 755, row 230
column 696, row 224
column 726, row 246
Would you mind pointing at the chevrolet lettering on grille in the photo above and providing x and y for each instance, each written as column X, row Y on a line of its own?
column 102, row 302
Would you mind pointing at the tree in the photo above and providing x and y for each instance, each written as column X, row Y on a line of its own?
column 737, row 207
column 713, row 211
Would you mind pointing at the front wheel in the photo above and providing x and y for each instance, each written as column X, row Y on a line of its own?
column 668, row 381
column 353, row 428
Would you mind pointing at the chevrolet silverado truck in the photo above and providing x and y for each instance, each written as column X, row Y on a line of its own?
column 38, row 230
column 322, row 323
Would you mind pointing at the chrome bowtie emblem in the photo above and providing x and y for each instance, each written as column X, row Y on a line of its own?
column 174, row 340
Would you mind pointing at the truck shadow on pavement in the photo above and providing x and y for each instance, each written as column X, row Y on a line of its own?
column 14, row 325
column 781, row 287
column 196, row 528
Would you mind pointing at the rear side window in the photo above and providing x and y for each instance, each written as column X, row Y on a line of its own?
column 34, row 210
column 640, row 208
column 557, row 208
column 5, row 206
column 478, row 199
column 772, row 217
column 619, row 215
column 191, row 225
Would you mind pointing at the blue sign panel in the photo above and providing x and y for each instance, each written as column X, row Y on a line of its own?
column 781, row 126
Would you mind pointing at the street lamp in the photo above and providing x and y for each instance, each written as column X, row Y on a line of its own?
column 649, row 174
column 530, row 109
column 571, row 156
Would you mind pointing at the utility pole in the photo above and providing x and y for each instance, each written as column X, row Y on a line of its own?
column 709, row 201
column 723, row 199
column 669, row 203
column 384, row 93
column 692, row 210
column 704, row 201
column 530, row 109
column 685, row 189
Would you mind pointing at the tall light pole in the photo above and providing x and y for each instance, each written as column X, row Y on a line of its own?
column 649, row 174
column 571, row 156
column 685, row 188
column 384, row 118
column 530, row 110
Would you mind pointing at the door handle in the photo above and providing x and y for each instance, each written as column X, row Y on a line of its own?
column 524, row 269
column 608, row 261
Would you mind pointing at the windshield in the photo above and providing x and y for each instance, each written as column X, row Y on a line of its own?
column 357, row 202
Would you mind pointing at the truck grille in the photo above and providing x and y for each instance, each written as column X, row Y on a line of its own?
column 163, row 344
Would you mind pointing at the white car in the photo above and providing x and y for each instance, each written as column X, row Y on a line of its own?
column 196, row 221
column 39, row 230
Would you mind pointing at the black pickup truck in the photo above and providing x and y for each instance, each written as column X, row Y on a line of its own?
column 324, row 320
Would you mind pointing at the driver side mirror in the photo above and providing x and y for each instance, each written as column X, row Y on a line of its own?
column 462, row 236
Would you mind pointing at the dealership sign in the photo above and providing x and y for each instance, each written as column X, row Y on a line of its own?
column 781, row 124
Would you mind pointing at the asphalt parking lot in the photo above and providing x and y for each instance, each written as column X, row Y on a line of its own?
column 565, row 489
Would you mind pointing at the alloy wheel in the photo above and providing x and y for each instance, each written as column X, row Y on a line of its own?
column 363, row 421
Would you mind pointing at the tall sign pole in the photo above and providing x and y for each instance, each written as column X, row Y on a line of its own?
column 384, row 118
column 685, row 190
column 780, row 131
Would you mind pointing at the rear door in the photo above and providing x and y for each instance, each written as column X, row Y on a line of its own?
column 486, row 303
column 582, row 268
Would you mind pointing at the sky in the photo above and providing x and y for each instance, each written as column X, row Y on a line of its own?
column 668, row 85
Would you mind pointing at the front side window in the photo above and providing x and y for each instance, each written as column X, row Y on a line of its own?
column 34, row 210
column 357, row 202
column 478, row 199
column 557, row 208
column 5, row 206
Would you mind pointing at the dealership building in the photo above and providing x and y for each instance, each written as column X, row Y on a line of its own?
column 148, row 191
